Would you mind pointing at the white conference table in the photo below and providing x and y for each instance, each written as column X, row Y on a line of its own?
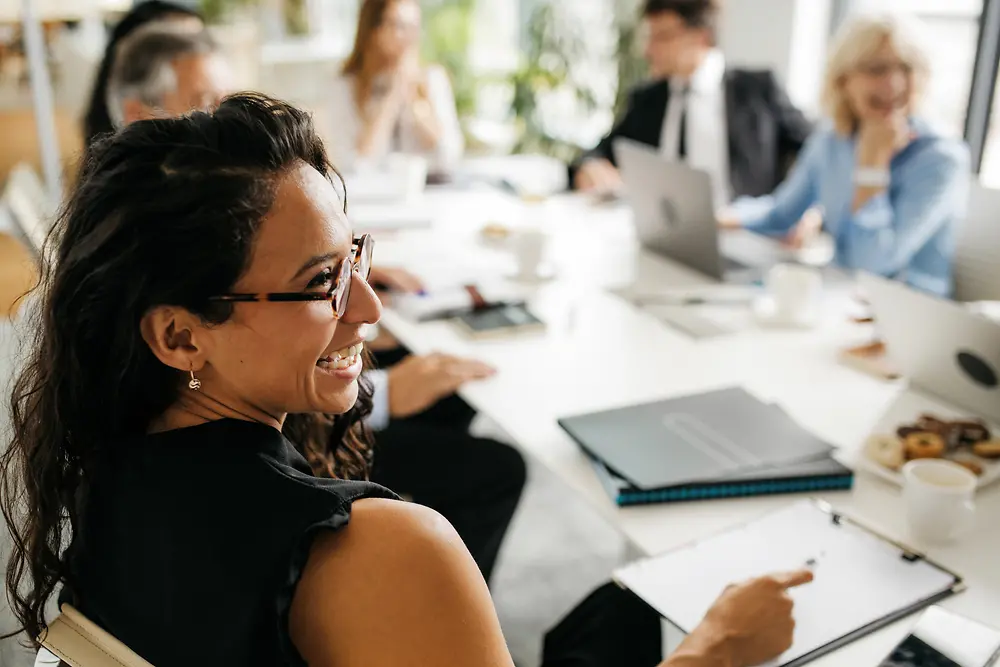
column 600, row 352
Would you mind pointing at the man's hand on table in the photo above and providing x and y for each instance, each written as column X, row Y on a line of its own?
column 419, row 381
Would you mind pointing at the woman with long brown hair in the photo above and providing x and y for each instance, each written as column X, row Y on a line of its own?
column 200, row 326
column 385, row 100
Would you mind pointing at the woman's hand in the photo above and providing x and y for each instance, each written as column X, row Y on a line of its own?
column 419, row 381
column 749, row 624
column 408, row 78
column 727, row 219
column 395, row 280
column 879, row 140
column 806, row 230
column 597, row 175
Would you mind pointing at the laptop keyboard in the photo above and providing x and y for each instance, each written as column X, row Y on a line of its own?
column 687, row 320
column 730, row 264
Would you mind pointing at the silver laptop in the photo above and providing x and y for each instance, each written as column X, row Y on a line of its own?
column 943, row 348
column 674, row 214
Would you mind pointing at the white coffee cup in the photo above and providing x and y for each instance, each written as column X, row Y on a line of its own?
column 530, row 246
column 939, row 499
column 795, row 291
column 408, row 173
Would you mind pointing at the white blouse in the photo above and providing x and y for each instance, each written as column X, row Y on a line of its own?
column 346, row 125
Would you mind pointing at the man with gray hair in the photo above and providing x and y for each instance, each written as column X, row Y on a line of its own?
column 163, row 71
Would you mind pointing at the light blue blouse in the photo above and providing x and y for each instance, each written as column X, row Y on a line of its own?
column 907, row 232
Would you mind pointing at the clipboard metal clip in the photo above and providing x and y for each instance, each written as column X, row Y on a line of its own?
column 906, row 553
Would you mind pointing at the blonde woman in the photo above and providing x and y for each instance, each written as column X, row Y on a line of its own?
column 385, row 100
column 889, row 187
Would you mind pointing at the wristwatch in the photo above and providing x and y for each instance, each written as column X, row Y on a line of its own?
column 871, row 177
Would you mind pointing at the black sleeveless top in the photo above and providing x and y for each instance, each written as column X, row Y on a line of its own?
column 192, row 541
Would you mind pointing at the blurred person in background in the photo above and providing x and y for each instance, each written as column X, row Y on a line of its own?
column 97, row 120
column 385, row 100
column 738, row 125
column 890, row 187
column 164, row 71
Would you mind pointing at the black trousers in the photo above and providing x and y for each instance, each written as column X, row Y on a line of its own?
column 475, row 483
column 611, row 628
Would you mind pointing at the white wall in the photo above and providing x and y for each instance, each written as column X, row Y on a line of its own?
column 787, row 36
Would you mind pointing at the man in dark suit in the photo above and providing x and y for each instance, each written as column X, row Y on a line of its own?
column 736, row 124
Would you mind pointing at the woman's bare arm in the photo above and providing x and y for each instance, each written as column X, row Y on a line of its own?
column 395, row 587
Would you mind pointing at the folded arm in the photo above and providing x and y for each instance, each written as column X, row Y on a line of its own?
column 892, row 226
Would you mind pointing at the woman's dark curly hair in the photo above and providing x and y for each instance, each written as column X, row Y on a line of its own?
column 165, row 212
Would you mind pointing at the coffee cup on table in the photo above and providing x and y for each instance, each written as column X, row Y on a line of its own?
column 530, row 247
column 794, row 295
column 939, row 499
column 408, row 173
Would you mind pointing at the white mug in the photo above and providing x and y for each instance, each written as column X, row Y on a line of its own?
column 530, row 245
column 408, row 172
column 939, row 499
column 795, row 290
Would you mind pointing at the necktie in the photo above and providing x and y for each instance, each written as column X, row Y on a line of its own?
column 682, row 96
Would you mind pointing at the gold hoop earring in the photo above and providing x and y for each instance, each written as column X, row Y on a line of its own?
column 195, row 383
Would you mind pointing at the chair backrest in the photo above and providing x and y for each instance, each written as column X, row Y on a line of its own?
column 977, row 269
column 79, row 642
column 29, row 204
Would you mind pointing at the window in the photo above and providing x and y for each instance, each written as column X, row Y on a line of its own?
column 990, row 171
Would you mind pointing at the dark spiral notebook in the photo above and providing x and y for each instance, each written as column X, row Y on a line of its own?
column 720, row 444
column 825, row 474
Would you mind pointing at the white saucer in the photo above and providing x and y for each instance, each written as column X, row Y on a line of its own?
column 765, row 313
column 818, row 252
column 544, row 275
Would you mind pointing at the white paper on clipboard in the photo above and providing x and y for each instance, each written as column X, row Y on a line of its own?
column 861, row 579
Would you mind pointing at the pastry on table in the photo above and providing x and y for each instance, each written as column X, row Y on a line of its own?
column 989, row 449
column 924, row 445
column 970, row 463
column 886, row 450
column 495, row 231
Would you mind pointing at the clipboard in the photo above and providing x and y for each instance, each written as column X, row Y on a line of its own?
column 863, row 580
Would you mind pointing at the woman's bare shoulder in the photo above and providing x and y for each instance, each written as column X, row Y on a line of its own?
column 397, row 580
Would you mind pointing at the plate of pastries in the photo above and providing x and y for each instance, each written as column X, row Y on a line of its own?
column 968, row 442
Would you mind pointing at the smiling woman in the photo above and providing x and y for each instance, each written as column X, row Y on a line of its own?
column 889, row 187
column 201, row 329
column 142, row 362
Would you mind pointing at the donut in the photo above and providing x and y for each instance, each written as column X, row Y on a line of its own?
column 495, row 230
column 924, row 445
column 987, row 450
column 886, row 450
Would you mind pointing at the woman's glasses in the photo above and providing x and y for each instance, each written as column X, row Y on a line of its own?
column 339, row 293
column 879, row 69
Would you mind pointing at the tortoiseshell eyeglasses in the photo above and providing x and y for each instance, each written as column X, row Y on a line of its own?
column 339, row 293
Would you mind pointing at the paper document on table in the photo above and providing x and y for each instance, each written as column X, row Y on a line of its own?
column 370, row 217
column 445, row 302
column 862, row 581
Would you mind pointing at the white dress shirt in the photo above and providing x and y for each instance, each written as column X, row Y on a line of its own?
column 706, row 138
column 378, row 420
column 346, row 124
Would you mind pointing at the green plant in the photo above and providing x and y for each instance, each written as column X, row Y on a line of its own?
column 551, row 47
column 447, row 36
column 216, row 11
